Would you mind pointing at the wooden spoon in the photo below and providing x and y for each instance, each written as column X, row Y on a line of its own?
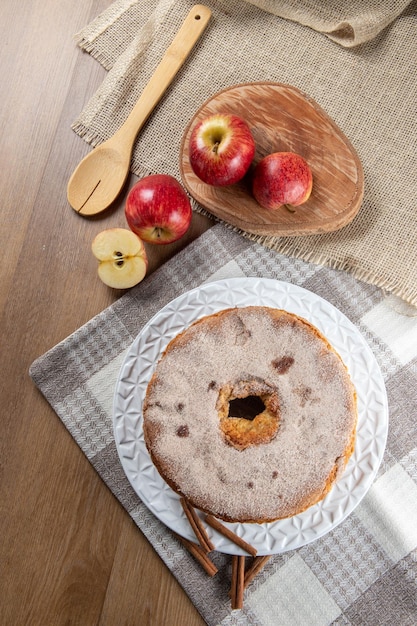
column 100, row 176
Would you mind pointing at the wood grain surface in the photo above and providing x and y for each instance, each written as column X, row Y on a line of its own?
column 69, row 553
column 282, row 119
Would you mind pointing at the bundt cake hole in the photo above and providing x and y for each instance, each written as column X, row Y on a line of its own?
column 248, row 413
column 247, row 408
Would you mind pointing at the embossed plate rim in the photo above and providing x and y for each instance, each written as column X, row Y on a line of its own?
column 141, row 359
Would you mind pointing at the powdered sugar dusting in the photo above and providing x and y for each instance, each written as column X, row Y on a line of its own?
column 317, row 414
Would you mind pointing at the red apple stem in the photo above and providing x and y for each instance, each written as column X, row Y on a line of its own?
column 289, row 208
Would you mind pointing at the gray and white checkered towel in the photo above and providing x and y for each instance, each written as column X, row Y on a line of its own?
column 364, row 571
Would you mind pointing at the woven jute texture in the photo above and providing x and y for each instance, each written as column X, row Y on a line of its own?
column 368, row 88
column 349, row 23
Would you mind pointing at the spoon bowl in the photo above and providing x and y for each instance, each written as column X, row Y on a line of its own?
column 97, row 182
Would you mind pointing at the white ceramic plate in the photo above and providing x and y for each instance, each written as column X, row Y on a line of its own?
column 142, row 358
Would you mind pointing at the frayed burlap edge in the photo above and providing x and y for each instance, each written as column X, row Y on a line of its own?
column 87, row 37
column 290, row 247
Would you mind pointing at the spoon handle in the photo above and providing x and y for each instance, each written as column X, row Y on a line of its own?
column 172, row 61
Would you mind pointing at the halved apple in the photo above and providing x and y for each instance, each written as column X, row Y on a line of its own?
column 122, row 258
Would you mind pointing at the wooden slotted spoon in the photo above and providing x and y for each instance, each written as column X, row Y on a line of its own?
column 100, row 176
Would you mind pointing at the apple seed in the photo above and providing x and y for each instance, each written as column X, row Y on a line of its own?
column 124, row 266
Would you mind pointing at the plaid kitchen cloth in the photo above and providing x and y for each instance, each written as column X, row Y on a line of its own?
column 362, row 572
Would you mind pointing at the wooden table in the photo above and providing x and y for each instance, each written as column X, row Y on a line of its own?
column 69, row 553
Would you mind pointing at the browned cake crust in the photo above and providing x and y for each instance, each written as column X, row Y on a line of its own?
column 250, row 414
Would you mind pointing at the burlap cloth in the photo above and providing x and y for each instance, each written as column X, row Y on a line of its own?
column 369, row 90
column 363, row 572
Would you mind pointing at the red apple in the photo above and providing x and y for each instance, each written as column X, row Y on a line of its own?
column 282, row 178
column 158, row 209
column 221, row 149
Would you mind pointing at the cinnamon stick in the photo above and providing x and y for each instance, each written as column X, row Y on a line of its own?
column 258, row 563
column 199, row 554
column 197, row 526
column 237, row 584
column 226, row 532
column 232, row 592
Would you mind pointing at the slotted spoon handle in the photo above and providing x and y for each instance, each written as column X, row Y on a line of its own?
column 174, row 57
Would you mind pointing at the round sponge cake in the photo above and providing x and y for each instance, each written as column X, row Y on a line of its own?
column 250, row 414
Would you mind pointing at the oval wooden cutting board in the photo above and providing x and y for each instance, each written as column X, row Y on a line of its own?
column 282, row 118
